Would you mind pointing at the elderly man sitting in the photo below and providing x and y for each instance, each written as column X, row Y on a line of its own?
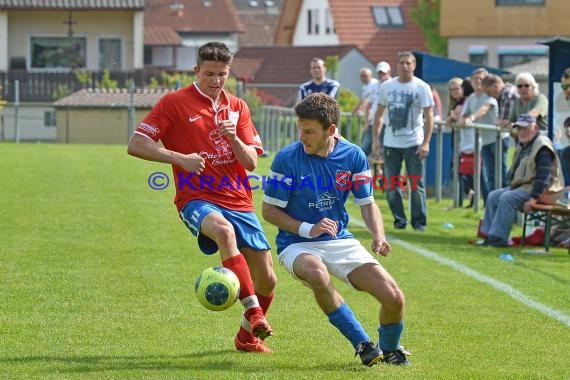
column 535, row 176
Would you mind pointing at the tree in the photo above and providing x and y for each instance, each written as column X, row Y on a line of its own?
column 426, row 16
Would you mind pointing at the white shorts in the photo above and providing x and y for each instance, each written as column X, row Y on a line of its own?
column 340, row 256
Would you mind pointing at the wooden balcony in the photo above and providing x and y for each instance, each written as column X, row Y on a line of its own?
column 42, row 87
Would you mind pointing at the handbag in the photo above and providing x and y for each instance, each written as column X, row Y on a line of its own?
column 466, row 163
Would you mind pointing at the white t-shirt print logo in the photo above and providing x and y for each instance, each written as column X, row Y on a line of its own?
column 193, row 119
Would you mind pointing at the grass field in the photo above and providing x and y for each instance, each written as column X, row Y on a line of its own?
column 97, row 275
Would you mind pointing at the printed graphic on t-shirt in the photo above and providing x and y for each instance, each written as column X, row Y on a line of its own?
column 400, row 111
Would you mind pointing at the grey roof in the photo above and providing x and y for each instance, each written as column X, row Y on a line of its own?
column 112, row 98
column 71, row 4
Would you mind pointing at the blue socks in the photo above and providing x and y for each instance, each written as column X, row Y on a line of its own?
column 344, row 320
column 390, row 336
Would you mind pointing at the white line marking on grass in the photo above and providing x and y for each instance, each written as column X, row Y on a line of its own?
column 500, row 286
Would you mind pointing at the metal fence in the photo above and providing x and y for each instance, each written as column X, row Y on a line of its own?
column 277, row 127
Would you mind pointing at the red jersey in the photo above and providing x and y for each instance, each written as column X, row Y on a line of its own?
column 186, row 122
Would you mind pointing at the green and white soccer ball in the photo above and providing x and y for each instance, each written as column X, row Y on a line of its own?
column 217, row 288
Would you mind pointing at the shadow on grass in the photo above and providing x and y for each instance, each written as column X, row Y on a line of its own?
column 213, row 361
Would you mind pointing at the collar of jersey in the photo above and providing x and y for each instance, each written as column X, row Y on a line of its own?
column 224, row 98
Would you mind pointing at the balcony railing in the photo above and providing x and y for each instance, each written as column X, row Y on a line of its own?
column 37, row 86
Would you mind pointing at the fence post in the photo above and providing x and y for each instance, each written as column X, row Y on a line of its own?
column 477, row 172
column 16, row 109
column 438, row 162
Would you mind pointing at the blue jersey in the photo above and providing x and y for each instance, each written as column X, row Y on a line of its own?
column 310, row 188
column 329, row 87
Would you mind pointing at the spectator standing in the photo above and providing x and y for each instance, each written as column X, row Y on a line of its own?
column 482, row 108
column 530, row 101
column 383, row 69
column 409, row 103
column 319, row 81
column 506, row 94
column 368, row 86
column 457, row 98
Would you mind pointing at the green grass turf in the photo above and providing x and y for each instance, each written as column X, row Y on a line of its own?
column 97, row 276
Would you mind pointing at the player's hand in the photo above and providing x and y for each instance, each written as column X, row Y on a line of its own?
column 192, row 163
column 228, row 129
column 325, row 226
column 380, row 246
column 422, row 151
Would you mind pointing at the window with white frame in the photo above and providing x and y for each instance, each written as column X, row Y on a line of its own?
column 388, row 16
column 49, row 119
column 58, row 52
column 516, row 55
column 313, row 21
column 110, row 54
column 478, row 55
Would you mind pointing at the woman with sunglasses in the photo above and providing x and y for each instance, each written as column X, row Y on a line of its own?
column 530, row 101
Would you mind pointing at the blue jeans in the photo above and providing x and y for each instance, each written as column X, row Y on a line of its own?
column 488, row 182
column 367, row 140
column 393, row 158
column 501, row 211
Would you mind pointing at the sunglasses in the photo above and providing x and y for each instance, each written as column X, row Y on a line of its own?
column 565, row 86
column 526, row 85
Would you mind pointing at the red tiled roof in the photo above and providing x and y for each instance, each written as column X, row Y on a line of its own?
column 112, row 98
column 354, row 23
column 161, row 35
column 285, row 66
column 259, row 28
column 75, row 4
column 193, row 15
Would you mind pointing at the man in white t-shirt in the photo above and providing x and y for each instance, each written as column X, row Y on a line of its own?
column 409, row 103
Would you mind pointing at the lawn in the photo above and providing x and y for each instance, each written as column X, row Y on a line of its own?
column 97, row 275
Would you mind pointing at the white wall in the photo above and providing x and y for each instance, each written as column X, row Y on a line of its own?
column 301, row 37
column 30, row 123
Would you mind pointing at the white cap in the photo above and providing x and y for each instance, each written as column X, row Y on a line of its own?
column 383, row 66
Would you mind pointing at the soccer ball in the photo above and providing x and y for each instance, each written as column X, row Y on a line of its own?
column 217, row 288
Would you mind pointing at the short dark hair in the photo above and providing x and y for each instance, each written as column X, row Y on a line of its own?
column 320, row 107
column 491, row 80
column 567, row 122
column 566, row 73
column 215, row 51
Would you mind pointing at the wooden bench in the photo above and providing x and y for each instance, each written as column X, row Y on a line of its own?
column 544, row 213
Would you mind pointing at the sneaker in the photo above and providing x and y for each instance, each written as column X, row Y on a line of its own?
column 419, row 227
column 397, row 357
column 399, row 225
column 256, row 346
column 259, row 326
column 369, row 353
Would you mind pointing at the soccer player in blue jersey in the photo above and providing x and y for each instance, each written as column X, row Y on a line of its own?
column 319, row 83
column 310, row 182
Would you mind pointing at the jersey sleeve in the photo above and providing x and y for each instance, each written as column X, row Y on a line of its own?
column 246, row 130
column 362, row 179
column 157, row 122
column 276, row 187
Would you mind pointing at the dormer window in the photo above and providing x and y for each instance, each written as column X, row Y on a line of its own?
column 388, row 16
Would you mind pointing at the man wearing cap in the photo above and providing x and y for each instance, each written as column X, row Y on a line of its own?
column 535, row 177
column 383, row 70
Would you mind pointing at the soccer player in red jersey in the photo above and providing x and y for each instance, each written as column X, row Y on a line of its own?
column 210, row 141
